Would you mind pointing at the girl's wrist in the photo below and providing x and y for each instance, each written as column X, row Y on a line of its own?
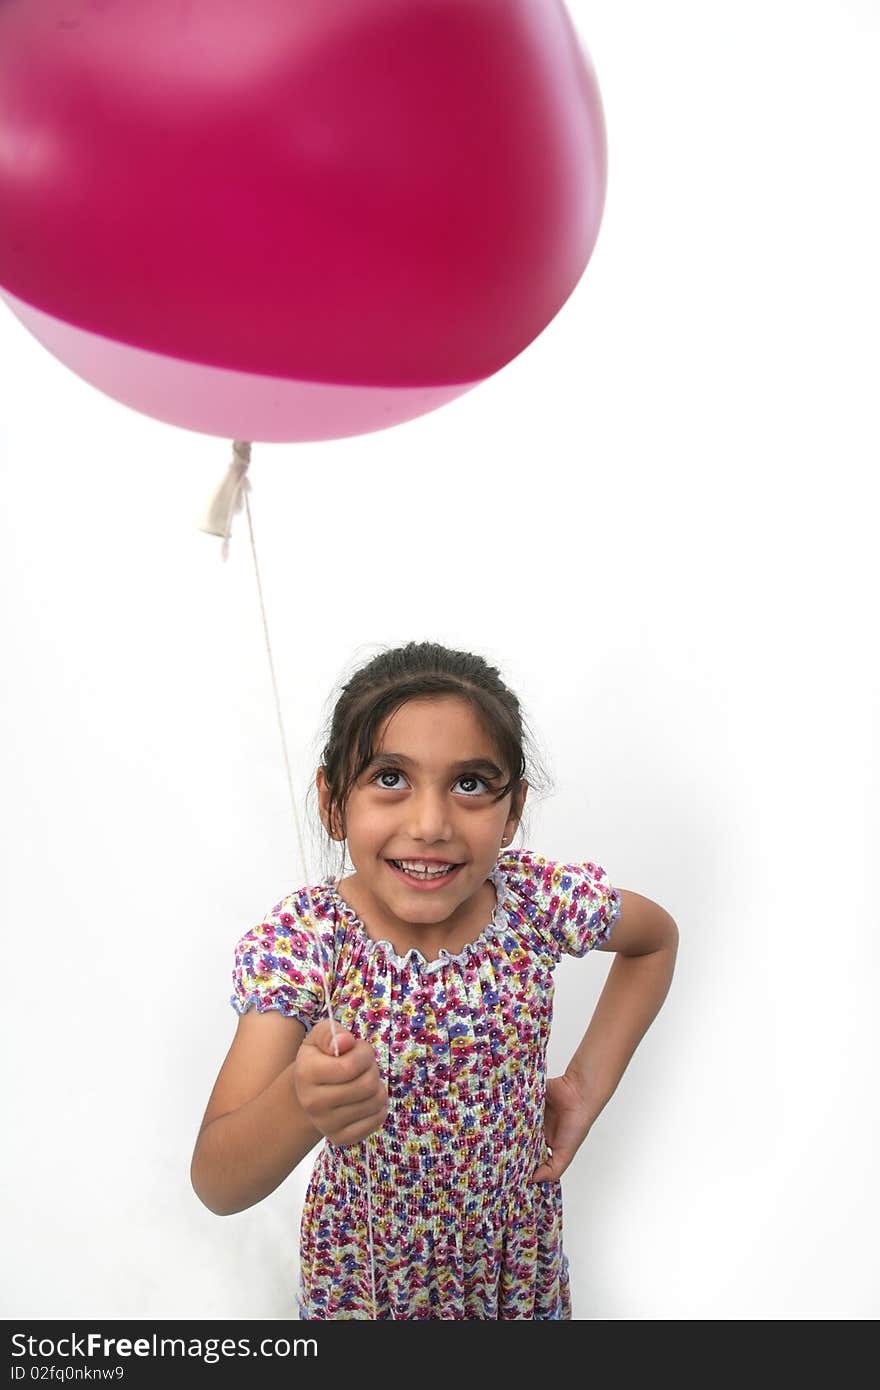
column 582, row 1082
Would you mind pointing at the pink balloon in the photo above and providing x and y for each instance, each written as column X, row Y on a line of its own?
column 217, row 400
column 282, row 221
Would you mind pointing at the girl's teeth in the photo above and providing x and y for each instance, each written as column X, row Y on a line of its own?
column 423, row 873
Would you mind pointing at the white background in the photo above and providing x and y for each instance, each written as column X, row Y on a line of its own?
column 660, row 523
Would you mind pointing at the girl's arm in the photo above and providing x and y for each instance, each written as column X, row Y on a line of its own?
column 254, row 1132
column 278, row 1094
column 645, row 939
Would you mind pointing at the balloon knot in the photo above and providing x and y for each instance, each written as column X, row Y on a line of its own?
column 228, row 498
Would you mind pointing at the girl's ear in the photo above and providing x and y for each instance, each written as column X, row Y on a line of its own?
column 334, row 831
column 517, row 801
column 323, row 798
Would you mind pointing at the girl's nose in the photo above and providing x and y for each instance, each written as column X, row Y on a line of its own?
column 429, row 818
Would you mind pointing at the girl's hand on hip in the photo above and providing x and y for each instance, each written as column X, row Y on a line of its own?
column 344, row 1096
column 567, row 1121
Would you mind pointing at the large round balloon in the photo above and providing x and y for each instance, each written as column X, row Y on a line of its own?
column 287, row 221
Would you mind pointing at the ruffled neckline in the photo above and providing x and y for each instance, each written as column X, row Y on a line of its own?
column 495, row 927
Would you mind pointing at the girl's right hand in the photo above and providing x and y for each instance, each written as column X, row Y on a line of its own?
column 344, row 1096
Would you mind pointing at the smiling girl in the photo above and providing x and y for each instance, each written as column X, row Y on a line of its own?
column 436, row 1191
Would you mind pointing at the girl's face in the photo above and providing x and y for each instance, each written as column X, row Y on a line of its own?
column 427, row 794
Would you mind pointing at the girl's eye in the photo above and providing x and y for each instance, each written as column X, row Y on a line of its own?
column 472, row 777
column 395, row 772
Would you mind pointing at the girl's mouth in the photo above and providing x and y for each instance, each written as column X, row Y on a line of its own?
column 423, row 881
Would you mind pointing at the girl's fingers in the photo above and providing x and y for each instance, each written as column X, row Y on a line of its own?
column 542, row 1174
column 552, row 1170
column 327, row 1039
column 324, row 1069
column 354, row 1133
column 367, row 1087
column 344, row 1116
column 545, row 1174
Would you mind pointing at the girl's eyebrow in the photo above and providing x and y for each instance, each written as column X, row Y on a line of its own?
column 485, row 764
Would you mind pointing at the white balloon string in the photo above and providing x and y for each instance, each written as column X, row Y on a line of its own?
column 370, row 1231
column 227, row 501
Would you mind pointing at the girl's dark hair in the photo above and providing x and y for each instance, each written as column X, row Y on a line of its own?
column 389, row 680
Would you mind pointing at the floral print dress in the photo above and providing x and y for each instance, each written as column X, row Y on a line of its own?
column 458, row 1229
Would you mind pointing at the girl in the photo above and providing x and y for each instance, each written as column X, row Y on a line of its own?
column 438, row 952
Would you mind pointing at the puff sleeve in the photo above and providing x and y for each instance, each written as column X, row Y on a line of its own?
column 278, row 965
column 572, row 907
